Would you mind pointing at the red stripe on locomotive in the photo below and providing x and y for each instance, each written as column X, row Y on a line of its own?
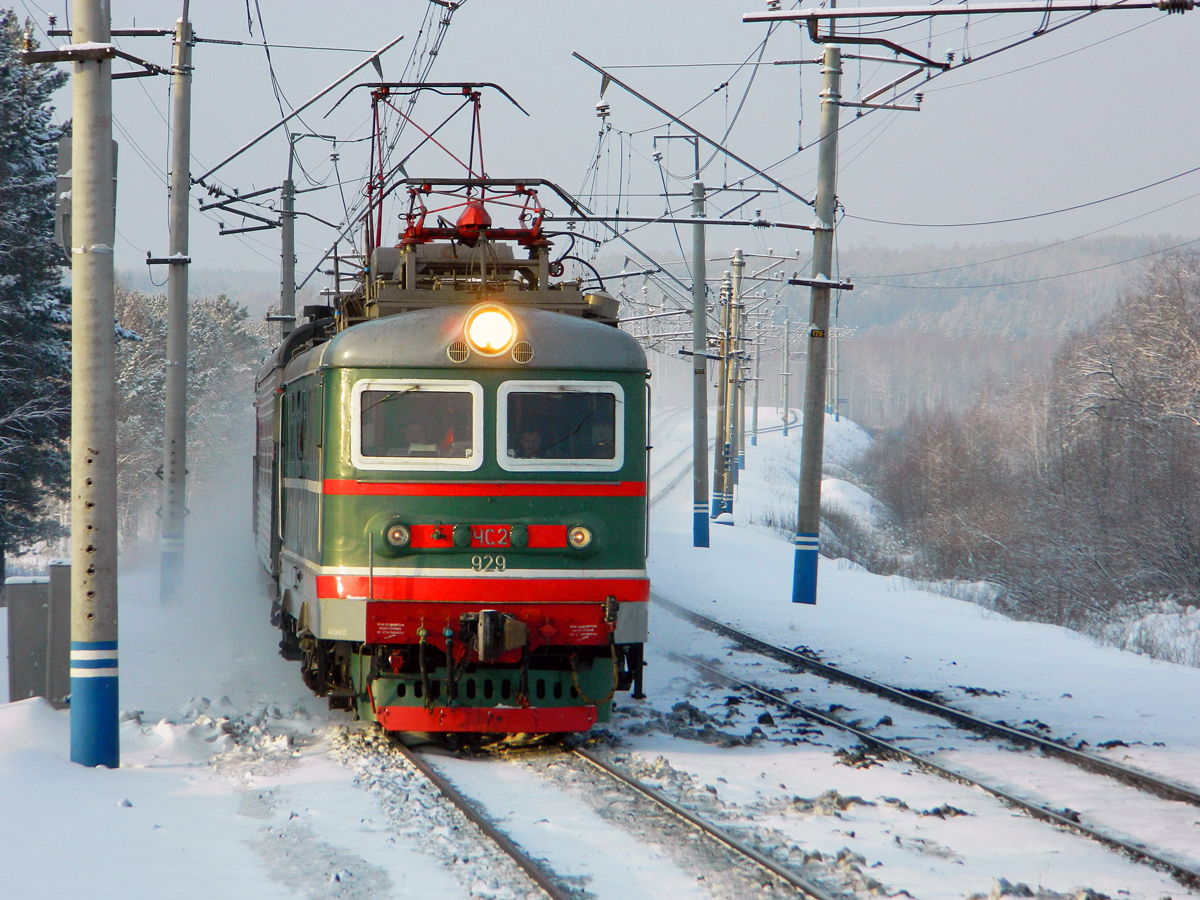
column 344, row 486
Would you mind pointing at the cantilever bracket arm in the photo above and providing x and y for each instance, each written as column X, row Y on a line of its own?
column 818, row 38
column 91, row 53
column 609, row 78
column 965, row 8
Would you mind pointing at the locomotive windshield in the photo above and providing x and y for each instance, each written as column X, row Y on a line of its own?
column 565, row 424
column 416, row 422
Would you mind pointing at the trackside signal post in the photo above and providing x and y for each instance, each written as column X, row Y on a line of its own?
column 94, row 738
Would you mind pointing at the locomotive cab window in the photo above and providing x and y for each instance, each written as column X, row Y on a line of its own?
column 405, row 425
column 561, row 426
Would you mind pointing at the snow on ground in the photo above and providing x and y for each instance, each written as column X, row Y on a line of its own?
column 234, row 782
column 227, row 785
column 884, row 628
column 579, row 844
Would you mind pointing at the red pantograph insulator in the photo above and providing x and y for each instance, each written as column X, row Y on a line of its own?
column 473, row 222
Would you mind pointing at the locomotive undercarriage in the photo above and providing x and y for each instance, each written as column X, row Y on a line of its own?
column 363, row 678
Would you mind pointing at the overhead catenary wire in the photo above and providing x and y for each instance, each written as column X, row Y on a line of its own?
column 996, row 284
column 1042, row 247
column 1025, row 218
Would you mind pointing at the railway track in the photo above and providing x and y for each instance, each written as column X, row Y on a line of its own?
column 1151, row 784
column 527, row 864
column 551, row 884
column 684, row 457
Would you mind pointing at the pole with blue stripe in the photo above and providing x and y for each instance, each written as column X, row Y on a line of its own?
column 812, row 438
column 721, row 451
column 699, row 372
column 737, row 352
column 94, row 739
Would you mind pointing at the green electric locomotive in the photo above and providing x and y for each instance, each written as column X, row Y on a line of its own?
column 450, row 482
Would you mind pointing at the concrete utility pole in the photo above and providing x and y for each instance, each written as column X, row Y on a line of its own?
column 738, row 386
column 721, row 452
column 836, row 375
column 785, row 374
column 757, row 360
column 287, row 252
column 174, row 470
column 731, row 400
column 812, row 439
column 699, row 372
column 94, row 736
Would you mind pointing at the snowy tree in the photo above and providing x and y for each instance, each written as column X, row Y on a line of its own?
column 34, row 335
column 225, row 348
column 1079, row 491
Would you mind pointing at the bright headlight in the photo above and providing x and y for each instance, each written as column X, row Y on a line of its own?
column 491, row 331
column 579, row 537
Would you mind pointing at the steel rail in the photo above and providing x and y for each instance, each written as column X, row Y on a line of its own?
column 780, row 871
column 686, row 470
column 527, row 864
column 1067, row 819
column 678, row 476
column 1164, row 788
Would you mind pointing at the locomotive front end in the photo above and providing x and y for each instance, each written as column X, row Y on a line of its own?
column 482, row 522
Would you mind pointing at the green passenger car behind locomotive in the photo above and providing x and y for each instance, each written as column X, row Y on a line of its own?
column 450, row 490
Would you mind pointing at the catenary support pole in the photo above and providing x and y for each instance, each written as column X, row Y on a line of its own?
column 738, row 427
column 287, row 251
column 721, row 450
column 174, row 469
column 785, row 373
column 836, row 369
column 699, row 376
column 812, row 438
column 730, row 409
column 94, row 736
column 757, row 360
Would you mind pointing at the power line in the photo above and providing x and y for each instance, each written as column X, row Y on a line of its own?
column 970, row 287
column 257, row 44
column 1052, row 212
column 1052, row 244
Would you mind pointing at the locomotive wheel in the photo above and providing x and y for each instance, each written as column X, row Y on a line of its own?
column 315, row 667
column 289, row 644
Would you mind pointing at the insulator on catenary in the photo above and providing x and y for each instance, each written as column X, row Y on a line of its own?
column 1176, row 6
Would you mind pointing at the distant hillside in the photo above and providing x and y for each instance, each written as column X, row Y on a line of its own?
column 931, row 325
column 937, row 290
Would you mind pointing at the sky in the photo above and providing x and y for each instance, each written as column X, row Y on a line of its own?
column 1093, row 109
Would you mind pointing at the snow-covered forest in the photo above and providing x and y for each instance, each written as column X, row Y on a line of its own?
column 34, row 305
column 1074, row 492
column 225, row 347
